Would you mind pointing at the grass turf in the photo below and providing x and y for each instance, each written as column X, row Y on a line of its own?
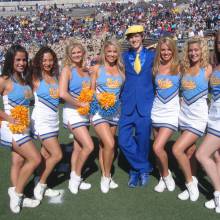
column 119, row 204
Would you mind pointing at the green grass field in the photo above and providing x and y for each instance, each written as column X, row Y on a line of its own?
column 119, row 204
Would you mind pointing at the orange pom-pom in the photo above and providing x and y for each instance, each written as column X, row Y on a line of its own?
column 21, row 115
column 106, row 99
column 83, row 110
column 86, row 95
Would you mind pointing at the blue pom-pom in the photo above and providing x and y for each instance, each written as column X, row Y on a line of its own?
column 110, row 111
column 94, row 106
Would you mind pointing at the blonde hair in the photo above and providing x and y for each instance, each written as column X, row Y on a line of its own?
column 119, row 62
column 171, row 44
column 67, row 60
column 204, row 61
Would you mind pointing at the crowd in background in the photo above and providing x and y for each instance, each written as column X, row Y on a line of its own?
column 52, row 26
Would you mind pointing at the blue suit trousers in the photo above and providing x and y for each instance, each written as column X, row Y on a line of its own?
column 134, row 140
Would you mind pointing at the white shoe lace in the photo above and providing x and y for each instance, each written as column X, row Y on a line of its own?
column 183, row 195
column 210, row 204
column 169, row 181
column 217, row 201
column 105, row 184
column 113, row 184
column 160, row 187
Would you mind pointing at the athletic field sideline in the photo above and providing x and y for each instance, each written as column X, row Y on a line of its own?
column 119, row 204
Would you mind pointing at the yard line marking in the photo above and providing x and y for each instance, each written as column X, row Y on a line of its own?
column 58, row 199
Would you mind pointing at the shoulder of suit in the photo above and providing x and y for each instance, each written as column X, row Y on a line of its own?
column 149, row 52
column 125, row 54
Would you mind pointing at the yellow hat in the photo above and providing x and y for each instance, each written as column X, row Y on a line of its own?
column 134, row 29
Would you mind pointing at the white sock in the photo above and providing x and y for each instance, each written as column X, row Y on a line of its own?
column 19, row 194
column 42, row 184
column 74, row 176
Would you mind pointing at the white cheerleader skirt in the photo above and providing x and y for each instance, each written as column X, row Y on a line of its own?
column 44, row 123
column 165, row 114
column 214, row 118
column 112, row 120
column 194, row 117
column 72, row 119
column 7, row 136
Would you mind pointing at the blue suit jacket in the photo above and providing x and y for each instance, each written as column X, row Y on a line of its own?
column 138, row 88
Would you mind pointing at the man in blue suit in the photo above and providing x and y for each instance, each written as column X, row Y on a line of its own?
column 136, row 99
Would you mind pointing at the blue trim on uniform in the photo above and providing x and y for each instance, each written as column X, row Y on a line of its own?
column 6, row 143
column 165, row 125
column 73, row 94
column 213, row 132
column 48, row 104
column 23, row 140
column 196, row 97
column 193, row 130
column 34, row 135
column 102, row 120
column 99, row 121
column 215, row 97
column 77, row 125
column 170, row 97
column 99, row 89
column 113, row 122
column 49, row 135
column 13, row 103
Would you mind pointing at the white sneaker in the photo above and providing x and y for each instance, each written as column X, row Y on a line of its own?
column 169, row 182
column 161, row 186
column 105, row 184
column 74, row 183
column 193, row 190
column 183, row 195
column 30, row 203
column 51, row 192
column 84, row 186
column 113, row 184
column 217, row 201
column 15, row 200
column 39, row 191
column 210, row 204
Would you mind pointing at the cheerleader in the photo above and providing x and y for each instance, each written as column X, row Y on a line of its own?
column 45, row 116
column 165, row 109
column 209, row 151
column 108, row 78
column 73, row 79
column 25, row 157
column 194, row 111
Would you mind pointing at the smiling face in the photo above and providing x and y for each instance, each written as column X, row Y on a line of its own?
column 166, row 53
column 194, row 53
column 135, row 40
column 111, row 54
column 77, row 55
column 20, row 62
column 47, row 62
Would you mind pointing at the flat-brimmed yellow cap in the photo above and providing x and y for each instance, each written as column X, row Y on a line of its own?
column 134, row 29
